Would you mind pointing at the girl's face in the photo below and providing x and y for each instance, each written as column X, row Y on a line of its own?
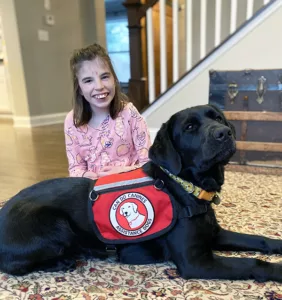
column 96, row 84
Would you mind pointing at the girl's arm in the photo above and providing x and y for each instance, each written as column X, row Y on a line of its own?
column 77, row 166
column 141, row 137
column 141, row 142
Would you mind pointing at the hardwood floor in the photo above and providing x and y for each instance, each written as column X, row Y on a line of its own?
column 29, row 155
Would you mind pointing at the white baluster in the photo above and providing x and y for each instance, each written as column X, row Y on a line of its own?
column 150, row 55
column 189, row 28
column 175, row 40
column 163, row 61
column 203, row 20
column 217, row 38
column 233, row 13
column 250, row 9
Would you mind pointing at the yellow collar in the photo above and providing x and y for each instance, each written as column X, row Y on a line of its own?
column 195, row 190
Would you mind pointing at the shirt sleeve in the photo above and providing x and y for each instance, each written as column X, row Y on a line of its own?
column 77, row 166
column 140, row 135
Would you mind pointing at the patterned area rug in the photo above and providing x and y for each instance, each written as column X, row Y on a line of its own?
column 251, row 204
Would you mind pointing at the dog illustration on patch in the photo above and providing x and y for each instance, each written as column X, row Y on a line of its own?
column 130, row 211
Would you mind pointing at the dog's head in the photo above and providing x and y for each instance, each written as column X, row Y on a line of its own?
column 195, row 140
column 128, row 209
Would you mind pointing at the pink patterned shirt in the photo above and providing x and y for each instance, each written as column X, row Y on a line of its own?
column 124, row 141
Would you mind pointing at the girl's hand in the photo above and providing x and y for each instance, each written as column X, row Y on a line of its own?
column 89, row 174
column 108, row 170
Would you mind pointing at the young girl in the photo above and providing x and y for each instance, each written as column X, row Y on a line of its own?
column 104, row 134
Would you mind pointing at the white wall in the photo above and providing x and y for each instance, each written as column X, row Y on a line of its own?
column 210, row 26
column 259, row 49
column 5, row 106
column 39, row 70
column 4, row 100
column 13, row 60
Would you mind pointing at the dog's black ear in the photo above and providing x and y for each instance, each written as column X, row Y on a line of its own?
column 163, row 153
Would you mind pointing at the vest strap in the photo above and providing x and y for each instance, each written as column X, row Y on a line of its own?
column 111, row 250
column 190, row 211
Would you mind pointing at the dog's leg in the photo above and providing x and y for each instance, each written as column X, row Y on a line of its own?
column 193, row 262
column 194, row 258
column 234, row 241
column 36, row 242
column 233, row 268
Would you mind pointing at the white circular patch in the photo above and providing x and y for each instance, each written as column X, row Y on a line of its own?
column 132, row 214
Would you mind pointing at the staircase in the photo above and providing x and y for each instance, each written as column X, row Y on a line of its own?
column 170, row 40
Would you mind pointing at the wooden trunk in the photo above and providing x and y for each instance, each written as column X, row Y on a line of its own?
column 252, row 101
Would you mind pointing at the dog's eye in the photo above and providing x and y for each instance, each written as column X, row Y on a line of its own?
column 190, row 126
column 219, row 119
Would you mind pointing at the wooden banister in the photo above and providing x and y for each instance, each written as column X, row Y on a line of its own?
column 136, row 13
column 136, row 88
column 144, row 7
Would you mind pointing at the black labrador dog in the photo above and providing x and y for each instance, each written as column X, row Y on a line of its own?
column 45, row 226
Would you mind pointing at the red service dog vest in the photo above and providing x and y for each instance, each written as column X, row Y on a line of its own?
column 130, row 207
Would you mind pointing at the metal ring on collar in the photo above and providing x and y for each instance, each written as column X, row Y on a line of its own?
column 95, row 194
column 159, row 184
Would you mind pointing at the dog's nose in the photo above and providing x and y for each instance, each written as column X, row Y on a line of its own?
column 222, row 133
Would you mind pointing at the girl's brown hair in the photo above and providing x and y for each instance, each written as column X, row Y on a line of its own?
column 82, row 112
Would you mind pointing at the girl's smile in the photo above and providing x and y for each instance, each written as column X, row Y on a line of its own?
column 101, row 96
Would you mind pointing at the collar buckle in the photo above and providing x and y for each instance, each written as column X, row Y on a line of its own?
column 190, row 188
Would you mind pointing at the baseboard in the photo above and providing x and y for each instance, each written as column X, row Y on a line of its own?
column 55, row 119
column 43, row 120
column 6, row 117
